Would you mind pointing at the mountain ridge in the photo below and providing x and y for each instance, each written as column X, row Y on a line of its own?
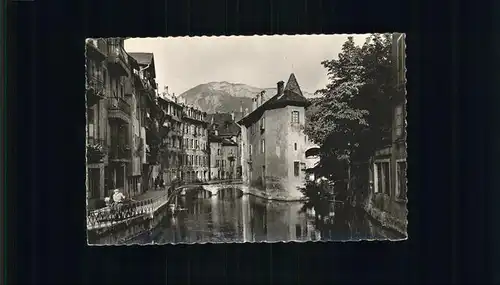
column 225, row 97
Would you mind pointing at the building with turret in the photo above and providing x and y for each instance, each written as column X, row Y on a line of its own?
column 274, row 143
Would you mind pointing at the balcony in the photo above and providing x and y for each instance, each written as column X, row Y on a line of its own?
column 117, row 60
column 120, row 153
column 96, row 150
column 95, row 90
column 153, row 83
column 118, row 109
column 95, row 49
column 146, row 85
column 148, row 123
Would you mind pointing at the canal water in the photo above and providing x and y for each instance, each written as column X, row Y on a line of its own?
column 250, row 219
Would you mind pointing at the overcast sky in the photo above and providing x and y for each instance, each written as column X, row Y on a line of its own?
column 259, row 61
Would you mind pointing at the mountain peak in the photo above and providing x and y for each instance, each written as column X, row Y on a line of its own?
column 225, row 97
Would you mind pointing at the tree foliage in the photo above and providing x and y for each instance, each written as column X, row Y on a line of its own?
column 352, row 116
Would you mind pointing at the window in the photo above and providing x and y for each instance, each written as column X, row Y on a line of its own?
column 398, row 121
column 298, row 231
column 262, row 123
column 401, row 180
column 262, row 146
column 90, row 123
column 382, row 177
column 218, row 151
column 191, row 145
column 217, row 163
column 295, row 146
column 116, row 88
column 296, row 168
column 122, row 88
column 295, row 117
column 250, row 150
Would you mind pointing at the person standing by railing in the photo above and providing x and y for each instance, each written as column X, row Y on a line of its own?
column 157, row 182
column 118, row 198
column 173, row 185
column 162, row 183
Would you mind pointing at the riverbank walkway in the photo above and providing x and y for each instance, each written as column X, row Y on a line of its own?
column 143, row 204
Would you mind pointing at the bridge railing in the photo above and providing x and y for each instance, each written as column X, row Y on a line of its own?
column 235, row 180
column 108, row 216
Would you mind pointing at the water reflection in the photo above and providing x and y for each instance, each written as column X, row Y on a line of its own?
column 251, row 219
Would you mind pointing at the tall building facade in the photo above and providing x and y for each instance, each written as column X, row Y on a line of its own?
column 387, row 175
column 275, row 141
column 196, row 145
column 172, row 137
column 225, row 145
column 116, row 119
column 147, row 116
column 215, row 156
column 97, row 92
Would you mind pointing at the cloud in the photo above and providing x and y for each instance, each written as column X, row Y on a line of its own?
column 260, row 61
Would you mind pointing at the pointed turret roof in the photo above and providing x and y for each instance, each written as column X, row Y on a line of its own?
column 293, row 86
column 292, row 95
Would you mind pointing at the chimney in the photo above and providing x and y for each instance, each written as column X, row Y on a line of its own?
column 254, row 104
column 263, row 97
column 232, row 115
column 212, row 121
column 241, row 108
column 280, row 87
column 246, row 112
column 165, row 89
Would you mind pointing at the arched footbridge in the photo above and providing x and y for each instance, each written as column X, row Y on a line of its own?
column 207, row 190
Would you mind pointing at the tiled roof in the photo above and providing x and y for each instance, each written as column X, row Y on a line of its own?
column 214, row 138
column 145, row 59
column 224, row 124
column 133, row 63
column 292, row 95
column 293, row 86
column 227, row 142
column 142, row 58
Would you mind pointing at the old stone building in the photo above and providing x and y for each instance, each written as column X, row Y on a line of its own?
column 223, row 157
column 116, row 84
column 97, row 92
column 195, row 142
column 227, row 133
column 148, row 112
column 172, row 136
column 387, row 175
column 273, row 140
column 215, row 156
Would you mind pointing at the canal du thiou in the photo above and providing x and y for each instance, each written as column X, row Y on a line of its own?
column 229, row 162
